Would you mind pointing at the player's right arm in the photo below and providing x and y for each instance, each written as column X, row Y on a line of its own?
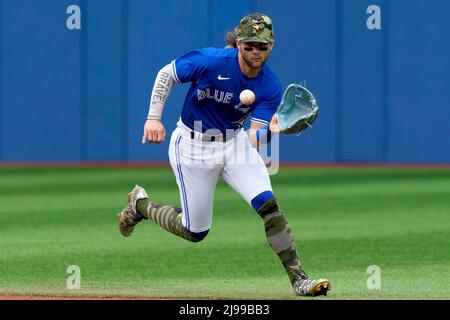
column 185, row 68
column 154, row 131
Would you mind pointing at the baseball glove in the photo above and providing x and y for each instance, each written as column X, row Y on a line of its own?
column 298, row 109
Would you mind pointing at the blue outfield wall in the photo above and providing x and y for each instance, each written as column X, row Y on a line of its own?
column 40, row 86
column 69, row 94
column 104, row 109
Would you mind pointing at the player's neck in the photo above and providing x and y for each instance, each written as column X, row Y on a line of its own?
column 246, row 70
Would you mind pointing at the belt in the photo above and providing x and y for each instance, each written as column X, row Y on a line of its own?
column 195, row 135
column 208, row 138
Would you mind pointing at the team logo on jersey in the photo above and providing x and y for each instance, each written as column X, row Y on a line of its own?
column 240, row 122
column 241, row 107
column 217, row 95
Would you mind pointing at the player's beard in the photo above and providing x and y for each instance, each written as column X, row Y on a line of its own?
column 253, row 62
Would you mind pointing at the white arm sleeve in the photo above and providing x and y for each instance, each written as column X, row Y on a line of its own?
column 160, row 93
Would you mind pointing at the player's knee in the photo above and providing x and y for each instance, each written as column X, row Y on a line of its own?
column 198, row 236
column 265, row 203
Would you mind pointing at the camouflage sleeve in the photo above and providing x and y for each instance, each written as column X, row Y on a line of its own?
column 160, row 93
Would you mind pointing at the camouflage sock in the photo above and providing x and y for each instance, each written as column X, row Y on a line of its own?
column 168, row 217
column 280, row 239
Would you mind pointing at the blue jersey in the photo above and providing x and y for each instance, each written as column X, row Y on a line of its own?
column 216, row 82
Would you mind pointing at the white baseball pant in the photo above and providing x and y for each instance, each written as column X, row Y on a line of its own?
column 198, row 164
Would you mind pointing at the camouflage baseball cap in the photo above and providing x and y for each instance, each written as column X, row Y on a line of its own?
column 255, row 27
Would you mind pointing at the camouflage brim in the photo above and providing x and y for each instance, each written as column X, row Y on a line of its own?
column 255, row 39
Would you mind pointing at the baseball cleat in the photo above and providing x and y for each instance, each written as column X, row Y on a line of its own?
column 129, row 217
column 306, row 287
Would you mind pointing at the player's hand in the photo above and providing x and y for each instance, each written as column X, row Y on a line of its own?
column 274, row 126
column 154, row 131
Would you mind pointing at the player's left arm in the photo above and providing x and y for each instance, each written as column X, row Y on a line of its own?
column 252, row 133
column 258, row 132
column 264, row 120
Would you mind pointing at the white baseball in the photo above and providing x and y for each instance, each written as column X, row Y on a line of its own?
column 247, row 97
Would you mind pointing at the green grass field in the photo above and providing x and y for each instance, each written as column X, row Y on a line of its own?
column 343, row 219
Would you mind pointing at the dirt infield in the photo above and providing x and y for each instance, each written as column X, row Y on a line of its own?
column 77, row 298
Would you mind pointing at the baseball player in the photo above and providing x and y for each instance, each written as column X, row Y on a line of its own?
column 209, row 143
